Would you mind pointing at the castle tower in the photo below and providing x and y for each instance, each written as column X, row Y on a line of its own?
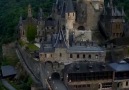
column 70, row 15
column 40, row 25
column 94, row 10
column 29, row 11
column 114, row 21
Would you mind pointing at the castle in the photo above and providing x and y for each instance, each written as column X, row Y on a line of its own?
column 67, row 47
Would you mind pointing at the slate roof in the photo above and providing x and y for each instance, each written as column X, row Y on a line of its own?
column 83, row 49
column 85, row 67
column 40, row 14
column 60, row 40
column 69, row 6
column 46, row 48
column 8, row 70
column 120, row 66
column 50, row 22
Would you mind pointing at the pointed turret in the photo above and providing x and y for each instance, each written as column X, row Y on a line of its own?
column 60, row 38
column 40, row 14
column 108, row 5
column 29, row 11
column 111, row 3
column 123, row 12
column 20, row 20
column 69, row 6
column 118, row 13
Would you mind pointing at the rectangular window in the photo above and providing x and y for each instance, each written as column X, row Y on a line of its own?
column 71, row 55
column 84, row 55
column 45, row 55
column 88, row 85
column 60, row 54
column 77, row 55
column 127, row 83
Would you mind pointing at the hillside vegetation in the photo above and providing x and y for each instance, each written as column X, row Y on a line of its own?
column 10, row 11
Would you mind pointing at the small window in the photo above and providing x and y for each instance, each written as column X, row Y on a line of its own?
column 60, row 54
column 23, row 32
column 118, row 85
column 89, row 56
column 51, row 55
column 71, row 56
column 68, row 14
column 45, row 55
column 127, row 83
column 77, row 55
column 88, row 85
column 84, row 55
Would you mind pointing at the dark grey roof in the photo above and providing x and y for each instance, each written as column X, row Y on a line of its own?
column 63, row 10
column 120, row 66
column 85, row 67
column 69, row 6
column 40, row 16
column 8, row 70
column 123, row 12
column 117, row 12
column 50, row 22
column 46, row 48
column 60, row 40
column 83, row 49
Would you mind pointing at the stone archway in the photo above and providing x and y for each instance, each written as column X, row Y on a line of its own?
column 55, row 76
column 49, row 64
column 81, row 28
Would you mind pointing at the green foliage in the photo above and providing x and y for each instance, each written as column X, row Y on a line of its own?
column 10, row 61
column 32, row 47
column 2, row 87
column 10, row 11
column 22, row 43
column 24, row 84
column 31, row 32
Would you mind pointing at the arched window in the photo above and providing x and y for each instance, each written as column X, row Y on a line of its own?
column 60, row 54
column 84, row 55
column 81, row 28
column 71, row 55
column 89, row 56
column 96, row 56
column 77, row 55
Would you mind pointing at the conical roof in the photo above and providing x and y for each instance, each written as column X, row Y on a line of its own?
column 60, row 39
column 69, row 6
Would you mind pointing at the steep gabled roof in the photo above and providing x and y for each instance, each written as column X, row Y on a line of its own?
column 60, row 39
column 40, row 16
column 123, row 12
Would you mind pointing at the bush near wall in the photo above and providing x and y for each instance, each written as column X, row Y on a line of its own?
column 31, row 33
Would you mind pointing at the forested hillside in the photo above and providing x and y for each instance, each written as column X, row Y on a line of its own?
column 10, row 10
column 124, row 4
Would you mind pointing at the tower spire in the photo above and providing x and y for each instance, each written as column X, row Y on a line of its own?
column 20, row 20
column 29, row 11
column 111, row 3
column 123, row 12
column 40, row 13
